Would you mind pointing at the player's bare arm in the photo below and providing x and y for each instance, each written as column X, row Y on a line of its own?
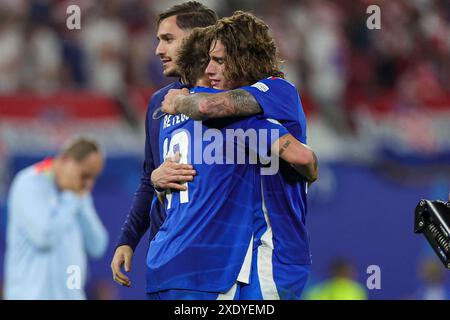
column 204, row 106
column 298, row 155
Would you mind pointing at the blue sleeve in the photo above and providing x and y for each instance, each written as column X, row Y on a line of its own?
column 138, row 220
column 268, row 132
column 42, row 220
column 94, row 233
column 204, row 90
column 277, row 98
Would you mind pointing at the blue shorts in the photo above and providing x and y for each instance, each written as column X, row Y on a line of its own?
column 232, row 294
column 270, row 279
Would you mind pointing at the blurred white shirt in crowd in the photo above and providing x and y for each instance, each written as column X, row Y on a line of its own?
column 105, row 42
column 11, row 48
column 44, row 60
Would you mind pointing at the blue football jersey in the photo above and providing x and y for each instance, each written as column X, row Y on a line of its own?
column 208, row 229
column 284, row 193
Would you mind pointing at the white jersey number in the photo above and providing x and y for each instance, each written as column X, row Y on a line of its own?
column 178, row 143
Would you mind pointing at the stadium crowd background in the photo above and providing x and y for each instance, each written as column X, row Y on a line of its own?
column 377, row 102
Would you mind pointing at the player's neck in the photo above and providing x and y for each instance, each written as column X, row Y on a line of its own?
column 203, row 82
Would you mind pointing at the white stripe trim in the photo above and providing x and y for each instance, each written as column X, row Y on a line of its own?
column 229, row 295
column 274, row 121
column 265, row 252
column 244, row 274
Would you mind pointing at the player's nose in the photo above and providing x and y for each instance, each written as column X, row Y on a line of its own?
column 210, row 69
column 160, row 50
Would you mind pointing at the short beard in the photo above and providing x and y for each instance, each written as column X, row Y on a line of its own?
column 172, row 73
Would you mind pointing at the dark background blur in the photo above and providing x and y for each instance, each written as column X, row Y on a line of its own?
column 377, row 103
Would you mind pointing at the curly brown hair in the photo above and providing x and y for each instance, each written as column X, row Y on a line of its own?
column 193, row 55
column 251, row 51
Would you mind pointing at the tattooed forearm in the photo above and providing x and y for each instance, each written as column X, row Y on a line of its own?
column 189, row 105
column 203, row 106
column 299, row 156
column 242, row 103
column 312, row 172
column 284, row 147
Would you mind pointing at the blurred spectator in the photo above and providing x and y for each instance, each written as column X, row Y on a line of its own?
column 105, row 41
column 44, row 60
column 52, row 225
column 321, row 25
column 433, row 284
column 341, row 285
column 74, row 73
column 329, row 52
column 140, row 21
column 12, row 49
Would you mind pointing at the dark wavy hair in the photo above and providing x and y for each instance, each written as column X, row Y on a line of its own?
column 193, row 55
column 189, row 15
column 251, row 53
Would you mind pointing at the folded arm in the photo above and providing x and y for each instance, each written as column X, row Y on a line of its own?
column 298, row 155
column 204, row 106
